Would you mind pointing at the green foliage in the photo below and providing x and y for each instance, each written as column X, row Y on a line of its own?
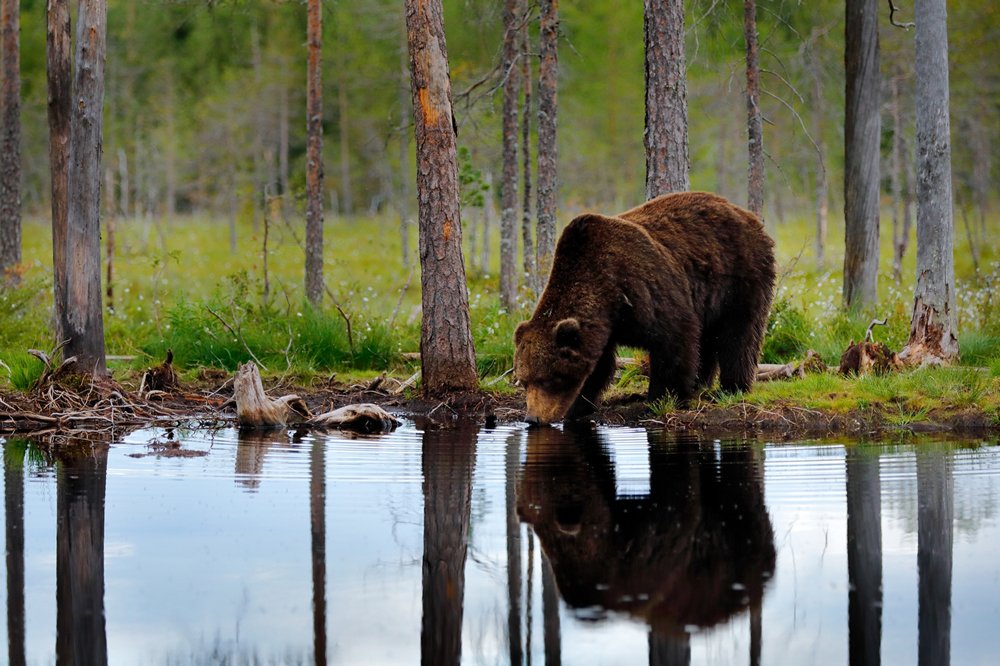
column 470, row 180
column 788, row 333
column 493, row 337
column 664, row 406
column 23, row 369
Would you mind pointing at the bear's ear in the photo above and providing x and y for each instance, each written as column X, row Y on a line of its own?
column 519, row 332
column 568, row 333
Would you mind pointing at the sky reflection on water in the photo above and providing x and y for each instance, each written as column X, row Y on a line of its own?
column 663, row 550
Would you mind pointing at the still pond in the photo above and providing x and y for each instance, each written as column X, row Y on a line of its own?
column 575, row 545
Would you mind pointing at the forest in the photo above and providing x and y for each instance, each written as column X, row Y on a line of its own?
column 205, row 174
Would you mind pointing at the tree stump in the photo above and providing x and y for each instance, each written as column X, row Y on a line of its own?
column 867, row 358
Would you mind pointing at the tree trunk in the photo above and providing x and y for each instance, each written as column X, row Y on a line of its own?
column 345, row 161
column 286, row 195
column 666, row 137
column 933, row 329
column 60, row 93
column 258, row 129
column 404, row 144
column 10, row 142
column 755, row 127
column 13, row 482
column 981, row 167
column 862, row 133
column 317, row 520
column 513, row 552
column 669, row 650
column 935, row 540
column 109, row 211
column 123, row 184
column 447, row 465
column 508, row 179
column 314, row 157
column 82, row 320
column 822, row 195
column 488, row 213
column 171, row 203
column 526, row 236
column 897, row 182
column 864, row 558
column 548, row 150
column 447, row 356
column 233, row 200
column 81, row 482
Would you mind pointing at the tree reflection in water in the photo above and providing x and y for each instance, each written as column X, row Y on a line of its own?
column 696, row 551
column 448, row 459
column 13, row 486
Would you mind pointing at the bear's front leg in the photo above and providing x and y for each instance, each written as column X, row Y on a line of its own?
column 673, row 369
column 595, row 384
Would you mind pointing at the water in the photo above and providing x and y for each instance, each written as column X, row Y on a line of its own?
column 617, row 546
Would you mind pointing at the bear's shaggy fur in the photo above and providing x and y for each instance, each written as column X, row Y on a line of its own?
column 687, row 276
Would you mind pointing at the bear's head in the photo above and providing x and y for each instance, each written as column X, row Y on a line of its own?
column 551, row 364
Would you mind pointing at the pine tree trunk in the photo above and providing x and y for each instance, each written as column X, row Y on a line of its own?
column 935, row 543
column 933, row 329
column 314, row 156
column 822, row 195
column 82, row 320
column 862, row 133
column 666, row 136
column 527, row 241
column 447, row 357
column 548, row 150
column 10, row 142
column 448, row 466
column 508, row 180
column 60, row 93
column 755, row 127
column 404, row 144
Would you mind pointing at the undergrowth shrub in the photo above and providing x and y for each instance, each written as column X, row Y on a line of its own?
column 788, row 334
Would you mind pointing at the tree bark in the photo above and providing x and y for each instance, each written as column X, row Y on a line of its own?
column 666, row 135
column 314, row 156
column 935, row 540
column 933, row 329
column 526, row 236
column 10, row 142
column 548, row 149
column 447, row 465
column 317, row 520
column 447, row 356
column 508, row 179
column 13, row 482
column 864, row 558
column 60, row 93
column 82, row 320
column 862, row 133
column 755, row 127
column 81, row 482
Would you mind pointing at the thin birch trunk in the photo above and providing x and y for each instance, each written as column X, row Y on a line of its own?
column 755, row 127
column 934, row 328
column 666, row 135
column 447, row 355
column 508, row 178
column 83, row 320
column 548, row 150
column 314, row 156
column 60, row 110
column 10, row 142
column 526, row 236
column 862, row 134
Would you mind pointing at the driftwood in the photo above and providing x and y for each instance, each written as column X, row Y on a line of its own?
column 811, row 363
column 254, row 409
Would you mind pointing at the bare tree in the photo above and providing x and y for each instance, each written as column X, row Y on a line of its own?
column 526, row 237
column 508, row 178
column 666, row 135
column 60, row 92
column 934, row 328
column 314, row 156
column 755, row 126
column 447, row 356
column 548, row 153
column 82, row 319
column 10, row 140
column 862, row 132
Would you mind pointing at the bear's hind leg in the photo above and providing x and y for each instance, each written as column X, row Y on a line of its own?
column 598, row 380
column 740, row 343
column 708, row 361
column 673, row 370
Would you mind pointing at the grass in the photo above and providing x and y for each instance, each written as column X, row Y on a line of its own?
column 191, row 294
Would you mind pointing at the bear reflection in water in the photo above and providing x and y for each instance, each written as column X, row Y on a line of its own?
column 697, row 550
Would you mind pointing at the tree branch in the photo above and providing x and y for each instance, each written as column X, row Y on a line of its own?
column 892, row 12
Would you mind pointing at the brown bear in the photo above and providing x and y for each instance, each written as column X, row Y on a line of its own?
column 688, row 276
